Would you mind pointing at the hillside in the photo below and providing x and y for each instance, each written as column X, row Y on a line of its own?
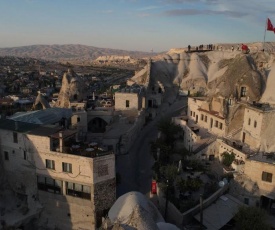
column 68, row 52
column 213, row 73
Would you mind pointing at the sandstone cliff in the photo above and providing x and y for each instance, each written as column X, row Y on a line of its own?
column 212, row 73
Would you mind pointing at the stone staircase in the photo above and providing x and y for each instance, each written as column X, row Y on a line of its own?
column 233, row 133
column 204, row 145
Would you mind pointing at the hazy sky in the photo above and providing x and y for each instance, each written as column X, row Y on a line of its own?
column 134, row 24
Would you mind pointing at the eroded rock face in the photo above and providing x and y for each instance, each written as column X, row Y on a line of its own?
column 72, row 90
column 269, row 94
column 229, row 74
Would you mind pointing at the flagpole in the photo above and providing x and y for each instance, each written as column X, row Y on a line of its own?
column 265, row 32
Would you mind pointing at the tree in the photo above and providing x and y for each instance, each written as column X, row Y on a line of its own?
column 194, row 184
column 249, row 218
column 169, row 172
column 181, row 184
column 169, row 129
column 164, row 153
column 228, row 158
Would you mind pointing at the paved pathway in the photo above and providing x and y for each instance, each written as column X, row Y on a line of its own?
column 135, row 168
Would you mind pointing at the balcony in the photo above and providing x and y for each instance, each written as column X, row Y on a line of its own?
column 65, row 142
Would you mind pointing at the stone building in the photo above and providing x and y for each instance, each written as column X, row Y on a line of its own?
column 153, row 89
column 258, row 127
column 74, row 183
column 261, row 170
column 207, row 115
column 128, row 99
column 217, row 125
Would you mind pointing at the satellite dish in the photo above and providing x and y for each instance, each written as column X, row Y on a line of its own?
column 221, row 184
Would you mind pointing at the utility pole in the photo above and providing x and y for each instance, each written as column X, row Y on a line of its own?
column 166, row 203
column 201, row 211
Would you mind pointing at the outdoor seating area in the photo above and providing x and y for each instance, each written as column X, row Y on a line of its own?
column 92, row 149
column 80, row 148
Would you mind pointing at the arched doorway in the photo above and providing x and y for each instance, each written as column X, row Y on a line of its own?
column 97, row 125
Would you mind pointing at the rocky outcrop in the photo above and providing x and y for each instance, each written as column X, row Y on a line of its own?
column 269, row 95
column 72, row 90
column 214, row 73
column 40, row 102
column 115, row 59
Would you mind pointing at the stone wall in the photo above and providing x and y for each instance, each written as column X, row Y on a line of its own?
column 255, row 169
column 180, row 219
column 19, row 167
column 104, row 194
column 252, row 133
column 65, row 212
column 104, row 198
column 135, row 101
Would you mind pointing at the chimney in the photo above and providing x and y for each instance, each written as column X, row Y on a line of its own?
column 61, row 141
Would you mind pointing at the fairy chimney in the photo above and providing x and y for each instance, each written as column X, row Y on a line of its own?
column 72, row 90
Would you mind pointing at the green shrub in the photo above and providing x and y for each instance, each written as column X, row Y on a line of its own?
column 228, row 158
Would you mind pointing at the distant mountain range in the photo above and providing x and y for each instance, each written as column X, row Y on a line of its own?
column 68, row 52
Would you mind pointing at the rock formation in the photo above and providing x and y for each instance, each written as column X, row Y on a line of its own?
column 211, row 73
column 269, row 94
column 40, row 102
column 72, row 90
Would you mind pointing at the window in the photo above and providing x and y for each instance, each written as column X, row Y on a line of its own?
column 6, row 155
column 220, row 125
column 267, row 177
column 194, row 114
column 49, row 184
column 127, row 103
column 160, row 90
column 202, row 117
column 191, row 113
column 78, row 190
column 249, row 121
column 216, row 124
column 78, row 119
column 205, row 118
column 67, row 167
column 243, row 91
column 50, row 164
column 255, row 124
column 25, row 155
column 15, row 137
column 246, row 200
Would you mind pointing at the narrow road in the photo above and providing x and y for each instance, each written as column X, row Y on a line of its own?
column 135, row 168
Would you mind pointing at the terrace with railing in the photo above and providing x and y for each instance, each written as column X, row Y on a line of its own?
column 65, row 142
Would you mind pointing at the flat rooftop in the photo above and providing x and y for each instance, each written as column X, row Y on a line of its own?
column 220, row 212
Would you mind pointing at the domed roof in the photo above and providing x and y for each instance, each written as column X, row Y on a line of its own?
column 127, row 203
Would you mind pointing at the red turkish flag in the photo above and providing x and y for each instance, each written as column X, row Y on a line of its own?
column 269, row 25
